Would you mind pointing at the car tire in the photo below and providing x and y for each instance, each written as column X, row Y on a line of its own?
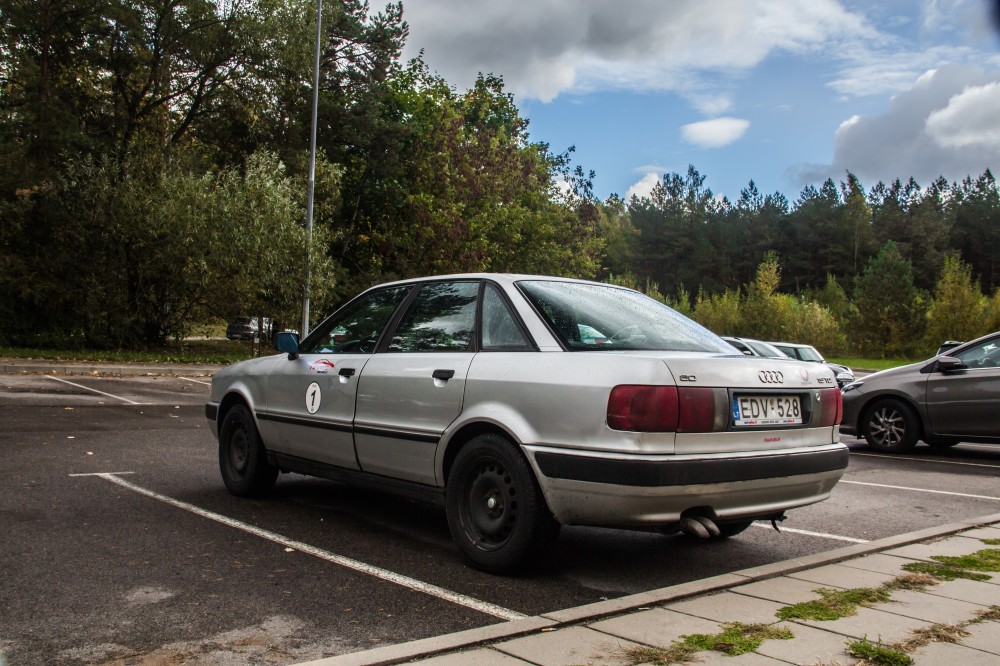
column 242, row 456
column 496, row 512
column 891, row 425
column 940, row 443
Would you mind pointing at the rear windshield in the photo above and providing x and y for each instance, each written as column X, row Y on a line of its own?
column 595, row 317
column 809, row 354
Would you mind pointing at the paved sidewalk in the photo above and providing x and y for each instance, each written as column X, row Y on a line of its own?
column 108, row 369
column 639, row 629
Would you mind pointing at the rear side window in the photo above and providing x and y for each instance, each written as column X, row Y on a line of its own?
column 501, row 331
column 441, row 317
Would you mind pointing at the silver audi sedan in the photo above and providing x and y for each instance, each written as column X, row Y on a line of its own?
column 523, row 403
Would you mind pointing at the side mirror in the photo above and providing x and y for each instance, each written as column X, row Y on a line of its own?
column 950, row 364
column 288, row 342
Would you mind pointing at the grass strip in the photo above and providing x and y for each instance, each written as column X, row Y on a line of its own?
column 898, row 654
column 983, row 560
column 834, row 604
column 878, row 654
column 735, row 639
column 943, row 571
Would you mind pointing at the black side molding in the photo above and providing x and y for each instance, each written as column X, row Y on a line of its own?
column 653, row 474
column 211, row 411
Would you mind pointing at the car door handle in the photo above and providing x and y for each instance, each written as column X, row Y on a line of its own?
column 443, row 374
column 346, row 372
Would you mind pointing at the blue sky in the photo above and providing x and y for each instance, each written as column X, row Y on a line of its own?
column 784, row 92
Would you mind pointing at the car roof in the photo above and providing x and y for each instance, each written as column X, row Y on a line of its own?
column 789, row 344
column 503, row 278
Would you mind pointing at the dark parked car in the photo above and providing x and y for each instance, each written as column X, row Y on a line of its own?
column 247, row 328
column 946, row 346
column 752, row 347
column 942, row 401
column 809, row 353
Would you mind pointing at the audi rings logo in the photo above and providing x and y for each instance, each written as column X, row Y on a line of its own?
column 771, row 377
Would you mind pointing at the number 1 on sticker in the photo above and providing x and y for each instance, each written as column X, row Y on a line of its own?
column 313, row 398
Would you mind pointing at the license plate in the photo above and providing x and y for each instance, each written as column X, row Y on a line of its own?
column 765, row 410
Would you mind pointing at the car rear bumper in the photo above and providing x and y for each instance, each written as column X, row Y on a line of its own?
column 637, row 491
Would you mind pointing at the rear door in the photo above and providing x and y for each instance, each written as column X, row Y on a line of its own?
column 412, row 392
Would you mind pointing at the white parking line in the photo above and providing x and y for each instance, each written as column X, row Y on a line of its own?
column 87, row 388
column 392, row 577
column 932, row 460
column 921, row 490
column 196, row 381
column 835, row 537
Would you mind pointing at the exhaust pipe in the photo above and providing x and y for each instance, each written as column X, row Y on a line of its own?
column 702, row 527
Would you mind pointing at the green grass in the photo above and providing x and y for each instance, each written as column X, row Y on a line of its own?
column 943, row 572
column 187, row 351
column 983, row 560
column 834, row 604
column 876, row 653
column 873, row 363
column 735, row 638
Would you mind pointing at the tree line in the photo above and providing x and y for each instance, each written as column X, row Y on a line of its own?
column 893, row 270
column 155, row 168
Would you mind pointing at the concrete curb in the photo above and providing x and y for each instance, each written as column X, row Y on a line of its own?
column 427, row 647
column 31, row 367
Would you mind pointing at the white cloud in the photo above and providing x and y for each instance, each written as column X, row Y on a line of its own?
column 971, row 118
column 644, row 187
column 545, row 47
column 944, row 125
column 715, row 133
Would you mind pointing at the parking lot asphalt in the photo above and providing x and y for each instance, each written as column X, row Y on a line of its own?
column 935, row 622
column 122, row 546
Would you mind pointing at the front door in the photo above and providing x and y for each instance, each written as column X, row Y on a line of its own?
column 967, row 402
column 311, row 399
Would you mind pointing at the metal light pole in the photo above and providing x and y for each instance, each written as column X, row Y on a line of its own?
column 312, row 171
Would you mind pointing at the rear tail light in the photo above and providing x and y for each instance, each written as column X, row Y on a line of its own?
column 831, row 404
column 697, row 409
column 643, row 408
column 665, row 409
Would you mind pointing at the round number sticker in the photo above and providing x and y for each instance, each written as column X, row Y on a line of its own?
column 313, row 398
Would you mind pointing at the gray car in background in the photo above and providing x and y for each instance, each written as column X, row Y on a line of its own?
column 525, row 403
column 944, row 400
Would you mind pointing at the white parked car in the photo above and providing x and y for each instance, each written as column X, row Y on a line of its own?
column 522, row 403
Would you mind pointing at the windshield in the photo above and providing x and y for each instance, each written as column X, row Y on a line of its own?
column 605, row 318
column 809, row 354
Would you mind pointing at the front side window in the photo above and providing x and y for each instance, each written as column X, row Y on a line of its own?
column 356, row 328
column 441, row 317
column 597, row 317
column 986, row 354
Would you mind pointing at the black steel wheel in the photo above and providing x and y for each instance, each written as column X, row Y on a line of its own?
column 496, row 512
column 242, row 456
column 891, row 425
